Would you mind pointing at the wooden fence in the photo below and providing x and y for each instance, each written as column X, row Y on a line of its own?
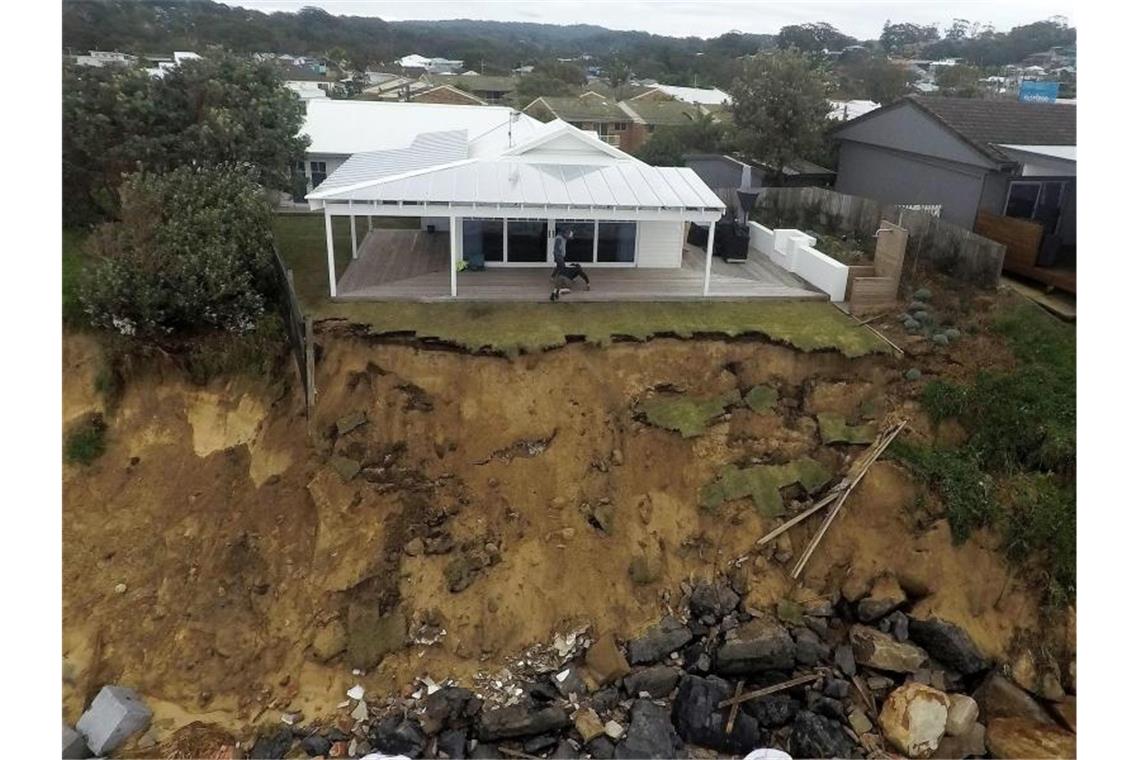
column 932, row 241
column 298, row 327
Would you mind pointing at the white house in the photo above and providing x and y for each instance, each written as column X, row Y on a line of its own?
column 501, row 191
column 430, row 65
column 711, row 96
column 100, row 58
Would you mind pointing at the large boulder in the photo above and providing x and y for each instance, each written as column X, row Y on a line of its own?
column 913, row 719
column 650, row 734
column 451, row 707
column 700, row 721
column 396, row 735
column 1021, row 737
column 605, row 661
column 875, row 649
column 758, row 645
column 816, row 736
column 657, row 681
column 659, row 641
column 998, row 697
column 949, row 644
column 520, row 720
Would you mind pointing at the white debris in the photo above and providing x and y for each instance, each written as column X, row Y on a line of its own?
column 563, row 675
column 290, row 718
column 356, row 692
column 613, row 729
column 360, row 712
column 120, row 588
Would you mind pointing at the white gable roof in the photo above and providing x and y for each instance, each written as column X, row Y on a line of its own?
column 428, row 150
column 344, row 127
column 559, row 140
column 706, row 97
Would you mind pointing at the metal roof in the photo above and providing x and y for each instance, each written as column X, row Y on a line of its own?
column 427, row 150
column 623, row 185
column 711, row 96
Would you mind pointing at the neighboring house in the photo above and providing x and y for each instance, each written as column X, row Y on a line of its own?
column 489, row 89
column 100, row 58
column 395, row 87
column 647, row 114
column 445, row 93
column 845, row 110
column 701, row 96
column 500, row 196
column 430, row 65
column 1001, row 157
column 308, row 89
column 727, row 174
column 590, row 112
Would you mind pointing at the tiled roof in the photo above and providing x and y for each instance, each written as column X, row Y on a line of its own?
column 571, row 108
column 988, row 123
column 663, row 112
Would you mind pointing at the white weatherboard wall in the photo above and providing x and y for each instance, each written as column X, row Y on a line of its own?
column 792, row 250
column 659, row 244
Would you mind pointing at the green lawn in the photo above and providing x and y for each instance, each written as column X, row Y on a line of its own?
column 515, row 327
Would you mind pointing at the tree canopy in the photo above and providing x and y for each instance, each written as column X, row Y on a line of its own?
column 219, row 109
column 668, row 145
column 813, row 38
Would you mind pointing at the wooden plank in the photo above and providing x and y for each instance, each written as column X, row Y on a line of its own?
column 1021, row 237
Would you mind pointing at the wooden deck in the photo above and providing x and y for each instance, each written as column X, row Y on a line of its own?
column 410, row 265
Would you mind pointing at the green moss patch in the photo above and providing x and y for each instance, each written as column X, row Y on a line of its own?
column 688, row 415
column 761, row 398
column 763, row 484
column 833, row 428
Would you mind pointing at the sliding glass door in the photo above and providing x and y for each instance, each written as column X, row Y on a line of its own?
column 526, row 241
column 529, row 242
column 605, row 243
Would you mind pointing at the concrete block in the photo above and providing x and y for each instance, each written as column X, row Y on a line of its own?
column 74, row 746
column 114, row 714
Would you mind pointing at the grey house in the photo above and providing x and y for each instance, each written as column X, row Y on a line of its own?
column 1012, row 160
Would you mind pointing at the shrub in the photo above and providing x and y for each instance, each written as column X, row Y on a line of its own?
column 86, row 441
column 190, row 253
column 252, row 353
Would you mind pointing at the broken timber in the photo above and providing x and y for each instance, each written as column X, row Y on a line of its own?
column 767, row 690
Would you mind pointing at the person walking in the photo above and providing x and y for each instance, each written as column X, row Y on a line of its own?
column 564, row 274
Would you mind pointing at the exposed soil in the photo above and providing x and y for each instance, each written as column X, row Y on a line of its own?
column 498, row 502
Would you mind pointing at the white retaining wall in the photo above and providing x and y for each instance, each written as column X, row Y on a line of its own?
column 792, row 250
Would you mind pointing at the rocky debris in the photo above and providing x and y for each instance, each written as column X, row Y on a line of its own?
column 874, row 649
column 346, row 468
column 74, row 746
column 913, row 719
column 659, row 641
column 809, row 648
column 1037, row 672
column 114, row 715
column 1020, row 737
column 605, row 661
column 859, row 722
column 972, row 743
column 452, row 743
column 462, row 571
column 588, row 725
column 949, row 644
column 758, row 645
column 998, row 697
column 772, row 711
column 845, row 659
column 372, row 636
column 711, row 601
column 656, row 682
column 963, row 714
column 450, row 707
column 568, row 683
column 601, row 748
column 397, row 735
column 700, row 721
column 885, row 597
column 816, row 736
column 897, row 624
column 519, row 720
column 316, row 745
column 272, row 746
column 350, row 422
column 650, row 733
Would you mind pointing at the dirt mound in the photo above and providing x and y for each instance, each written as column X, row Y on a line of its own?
column 441, row 512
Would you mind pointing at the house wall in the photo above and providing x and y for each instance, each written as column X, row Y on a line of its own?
column 443, row 95
column 895, row 177
column 659, row 244
column 794, row 252
column 332, row 163
column 908, row 129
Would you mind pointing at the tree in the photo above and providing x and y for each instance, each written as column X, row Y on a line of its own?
column 897, row 38
column 960, row 81
column 668, row 145
column 204, row 112
column 780, row 108
column 535, row 85
column 813, row 38
column 618, row 74
column 876, row 79
column 191, row 252
column 563, row 71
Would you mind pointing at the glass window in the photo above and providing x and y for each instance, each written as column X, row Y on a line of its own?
column 526, row 241
column 482, row 240
column 617, row 241
column 317, row 172
column 581, row 247
column 1022, row 199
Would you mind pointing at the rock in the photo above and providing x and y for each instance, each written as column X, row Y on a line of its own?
column 962, row 716
column 360, row 712
column 537, row 744
column 541, row 691
column 315, row 745
column 568, row 682
column 617, row 457
column 450, row 707
column 372, row 636
column 519, row 720
column 758, row 645
column 329, row 640
column 809, row 649
column 1021, row 737
column 712, row 599
column 350, row 422
column 885, row 597
column 1038, row 674
column 650, row 733
column 614, row 730
column 655, row 644
column 998, row 697
column 826, row 706
column 272, row 746
column 913, row 719
column 115, row 714
column 565, row 750
column 699, row 720
column 588, row 724
column 452, row 743
column 859, row 721
column 396, row 735
column 816, row 736
column 345, row 467
column 972, row 743
column 604, row 700
column 74, row 746
column 845, row 659
column 415, row 547
column 605, row 660
column 356, row 692
column 949, row 644
column 897, row 624
column 601, row 748
column 772, row 711
column 485, row 751
column 836, row 688
column 1066, row 712
column 657, row 681
column 875, row 649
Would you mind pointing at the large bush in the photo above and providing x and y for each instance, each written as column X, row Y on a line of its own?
column 192, row 251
